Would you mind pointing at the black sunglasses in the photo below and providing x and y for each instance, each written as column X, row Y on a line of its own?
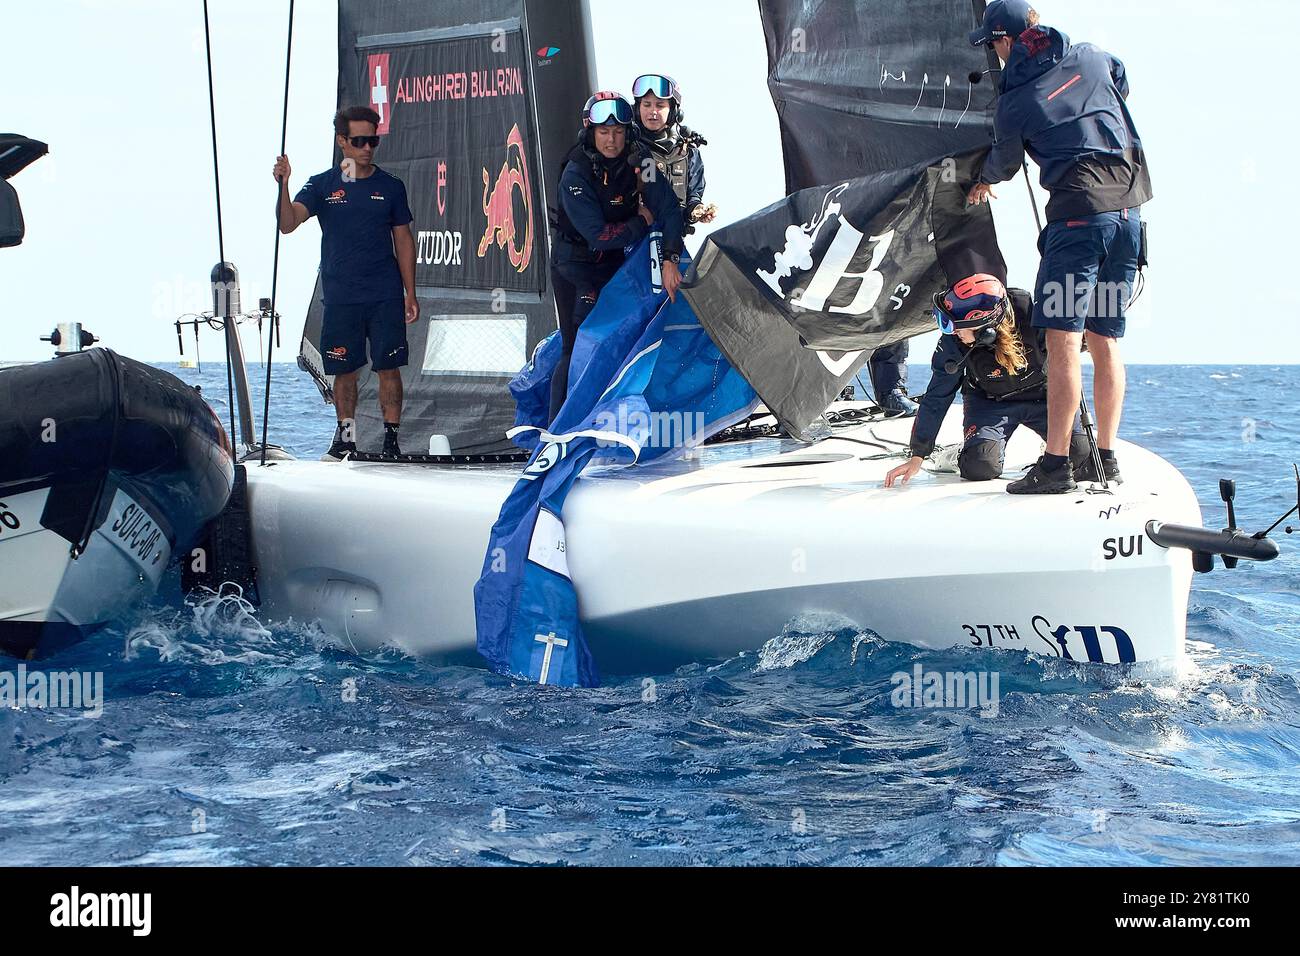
column 361, row 141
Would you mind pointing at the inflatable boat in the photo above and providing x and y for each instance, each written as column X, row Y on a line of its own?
column 108, row 468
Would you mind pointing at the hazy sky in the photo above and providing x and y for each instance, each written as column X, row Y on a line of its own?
column 120, row 216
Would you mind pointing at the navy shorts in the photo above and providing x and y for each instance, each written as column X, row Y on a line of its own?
column 345, row 329
column 1085, row 278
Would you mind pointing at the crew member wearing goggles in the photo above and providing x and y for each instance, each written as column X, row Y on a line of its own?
column 990, row 351
column 674, row 148
column 605, row 207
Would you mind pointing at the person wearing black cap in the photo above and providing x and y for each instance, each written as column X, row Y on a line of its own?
column 1065, row 105
column 990, row 351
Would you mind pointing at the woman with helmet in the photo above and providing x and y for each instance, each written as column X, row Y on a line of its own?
column 674, row 148
column 990, row 350
column 605, row 206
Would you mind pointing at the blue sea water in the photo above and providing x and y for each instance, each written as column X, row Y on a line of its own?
column 226, row 739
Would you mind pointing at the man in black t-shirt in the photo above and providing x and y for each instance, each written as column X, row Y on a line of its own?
column 367, row 271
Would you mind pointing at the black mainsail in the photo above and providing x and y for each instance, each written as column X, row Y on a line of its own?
column 479, row 102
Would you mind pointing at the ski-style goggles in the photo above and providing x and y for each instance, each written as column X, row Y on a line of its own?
column 944, row 321
column 664, row 87
column 617, row 111
column 360, row 142
column 975, row 320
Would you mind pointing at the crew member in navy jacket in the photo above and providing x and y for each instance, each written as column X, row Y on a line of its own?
column 1064, row 104
column 606, row 206
column 657, row 101
column 990, row 351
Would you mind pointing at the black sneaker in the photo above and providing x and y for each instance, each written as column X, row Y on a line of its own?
column 1039, row 481
column 340, row 450
column 896, row 404
column 391, row 448
column 1086, row 471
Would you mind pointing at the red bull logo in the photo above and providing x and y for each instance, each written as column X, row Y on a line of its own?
column 499, row 206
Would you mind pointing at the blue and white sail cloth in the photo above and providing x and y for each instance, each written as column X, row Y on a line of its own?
column 646, row 383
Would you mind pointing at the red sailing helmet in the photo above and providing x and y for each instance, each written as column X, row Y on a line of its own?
column 976, row 302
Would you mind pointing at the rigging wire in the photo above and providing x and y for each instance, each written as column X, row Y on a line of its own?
column 221, row 243
column 274, row 324
column 1033, row 200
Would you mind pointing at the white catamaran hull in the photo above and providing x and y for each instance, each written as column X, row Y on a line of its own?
column 707, row 558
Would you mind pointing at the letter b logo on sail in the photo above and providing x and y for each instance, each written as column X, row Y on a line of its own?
column 834, row 268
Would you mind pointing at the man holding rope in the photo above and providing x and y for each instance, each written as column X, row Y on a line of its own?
column 1065, row 105
column 367, row 271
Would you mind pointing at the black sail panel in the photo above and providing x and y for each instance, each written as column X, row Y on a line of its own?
column 478, row 101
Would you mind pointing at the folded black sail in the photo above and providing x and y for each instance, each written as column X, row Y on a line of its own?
column 478, row 102
column 885, row 115
column 798, row 295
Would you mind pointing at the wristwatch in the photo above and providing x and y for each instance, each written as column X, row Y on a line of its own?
column 674, row 258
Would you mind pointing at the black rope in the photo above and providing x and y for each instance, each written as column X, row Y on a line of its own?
column 275, row 264
column 861, row 441
column 221, row 243
column 1273, row 526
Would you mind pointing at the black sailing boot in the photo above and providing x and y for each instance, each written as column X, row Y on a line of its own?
column 341, row 449
column 1040, row 481
column 897, row 404
column 1086, row 471
column 391, row 449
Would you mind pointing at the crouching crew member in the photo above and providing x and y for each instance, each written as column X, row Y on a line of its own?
column 990, row 351
column 605, row 206
column 674, row 147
